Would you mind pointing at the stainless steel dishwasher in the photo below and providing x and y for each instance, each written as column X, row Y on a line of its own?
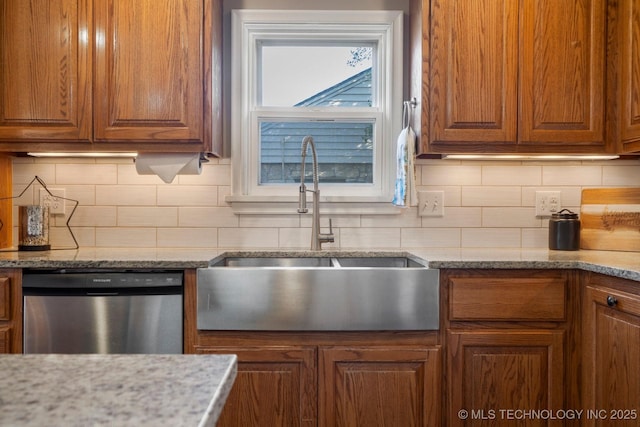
column 102, row 311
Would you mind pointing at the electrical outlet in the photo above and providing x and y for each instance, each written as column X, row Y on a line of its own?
column 53, row 200
column 547, row 203
column 431, row 203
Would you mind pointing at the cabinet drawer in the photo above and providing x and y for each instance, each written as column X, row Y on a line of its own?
column 5, row 298
column 485, row 298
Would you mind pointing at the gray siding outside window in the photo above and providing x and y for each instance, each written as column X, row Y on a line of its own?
column 344, row 148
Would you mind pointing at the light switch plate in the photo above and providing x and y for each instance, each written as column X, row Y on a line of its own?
column 431, row 203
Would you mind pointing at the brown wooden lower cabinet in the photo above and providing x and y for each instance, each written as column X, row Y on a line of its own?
column 325, row 385
column 5, row 340
column 611, row 365
column 10, row 311
column 379, row 387
column 510, row 338
column 274, row 387
column 491, row 372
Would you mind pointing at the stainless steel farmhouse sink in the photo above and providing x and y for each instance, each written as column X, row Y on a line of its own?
column 317, row 293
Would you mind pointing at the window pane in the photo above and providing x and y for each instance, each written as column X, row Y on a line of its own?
column 344, row 150
column 304, row 75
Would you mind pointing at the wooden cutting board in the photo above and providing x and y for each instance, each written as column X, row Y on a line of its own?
column 610, row 219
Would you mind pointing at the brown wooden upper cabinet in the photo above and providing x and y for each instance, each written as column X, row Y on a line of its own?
column 515, row 77
column 109, row 75
column 623, row 52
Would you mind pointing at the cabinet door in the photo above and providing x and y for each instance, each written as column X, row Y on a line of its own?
column 474, row 69
column 494, row 370
column 10, row 311
column 510, row 76
column 562, row 74
column 611, row 362
column 274, row 387
column 45, row 70
column 630, row 84
column 5, row 339
column 149, row 70
column 379, row 387
column 5, row 298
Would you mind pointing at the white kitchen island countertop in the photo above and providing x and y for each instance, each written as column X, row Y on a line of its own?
column 114, row 390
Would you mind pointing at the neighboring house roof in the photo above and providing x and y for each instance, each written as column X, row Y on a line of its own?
column 336, row 142
column 352, row 92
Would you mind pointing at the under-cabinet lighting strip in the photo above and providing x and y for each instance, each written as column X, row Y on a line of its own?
column 82, row 154
column 528, row 157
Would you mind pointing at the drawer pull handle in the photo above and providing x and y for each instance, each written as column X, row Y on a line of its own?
column 611, row 301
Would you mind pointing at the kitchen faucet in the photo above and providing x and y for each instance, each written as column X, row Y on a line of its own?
column 317, row 238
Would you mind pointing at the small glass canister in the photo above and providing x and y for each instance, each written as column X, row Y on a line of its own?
column 564, row 231
column 34, row 228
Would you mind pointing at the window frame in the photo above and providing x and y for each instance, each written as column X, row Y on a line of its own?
column 252, row 27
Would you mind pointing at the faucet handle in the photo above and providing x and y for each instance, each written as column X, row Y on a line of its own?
column 327, row 237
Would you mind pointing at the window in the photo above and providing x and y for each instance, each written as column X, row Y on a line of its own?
column 334, row 75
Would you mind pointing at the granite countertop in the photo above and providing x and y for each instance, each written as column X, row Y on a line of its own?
column 122, row 390
column 619, row 264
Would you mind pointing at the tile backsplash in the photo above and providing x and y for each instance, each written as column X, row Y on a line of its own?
column 487, row 204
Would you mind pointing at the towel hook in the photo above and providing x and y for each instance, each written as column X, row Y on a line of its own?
column 407, row 107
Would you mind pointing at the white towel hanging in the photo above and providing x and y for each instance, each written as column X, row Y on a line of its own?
column 405, row 187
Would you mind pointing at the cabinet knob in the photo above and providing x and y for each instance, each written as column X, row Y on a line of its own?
column 611, row 301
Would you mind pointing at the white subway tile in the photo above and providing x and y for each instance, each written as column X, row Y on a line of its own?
column 24, row 173
column 151, row 216
column 336, row 221
column 269, row 221
column 571, row 175
column 621, row 175
column 27, row 197
column 126, row 195
column 208, row 217
column 511, row 175
column 491, row 196
column 126, row 237
column 248, row 238
column 18, row 160
column 510, row 217
column 187, row 195
column 84, row 194
column 187, row 237
column 78, row 173
column 487, row 204
column 300, row 238
column 370, row 238
column 491, row 238
column 430, row 238
column 535, row 237
column 94, row 216
column 408, row 217
column 60, row 237
column 455, row 217
column 223, row 192
column 451, row 175
column 294, row 238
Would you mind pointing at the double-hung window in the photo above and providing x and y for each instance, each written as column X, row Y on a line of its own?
column 333, row 75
